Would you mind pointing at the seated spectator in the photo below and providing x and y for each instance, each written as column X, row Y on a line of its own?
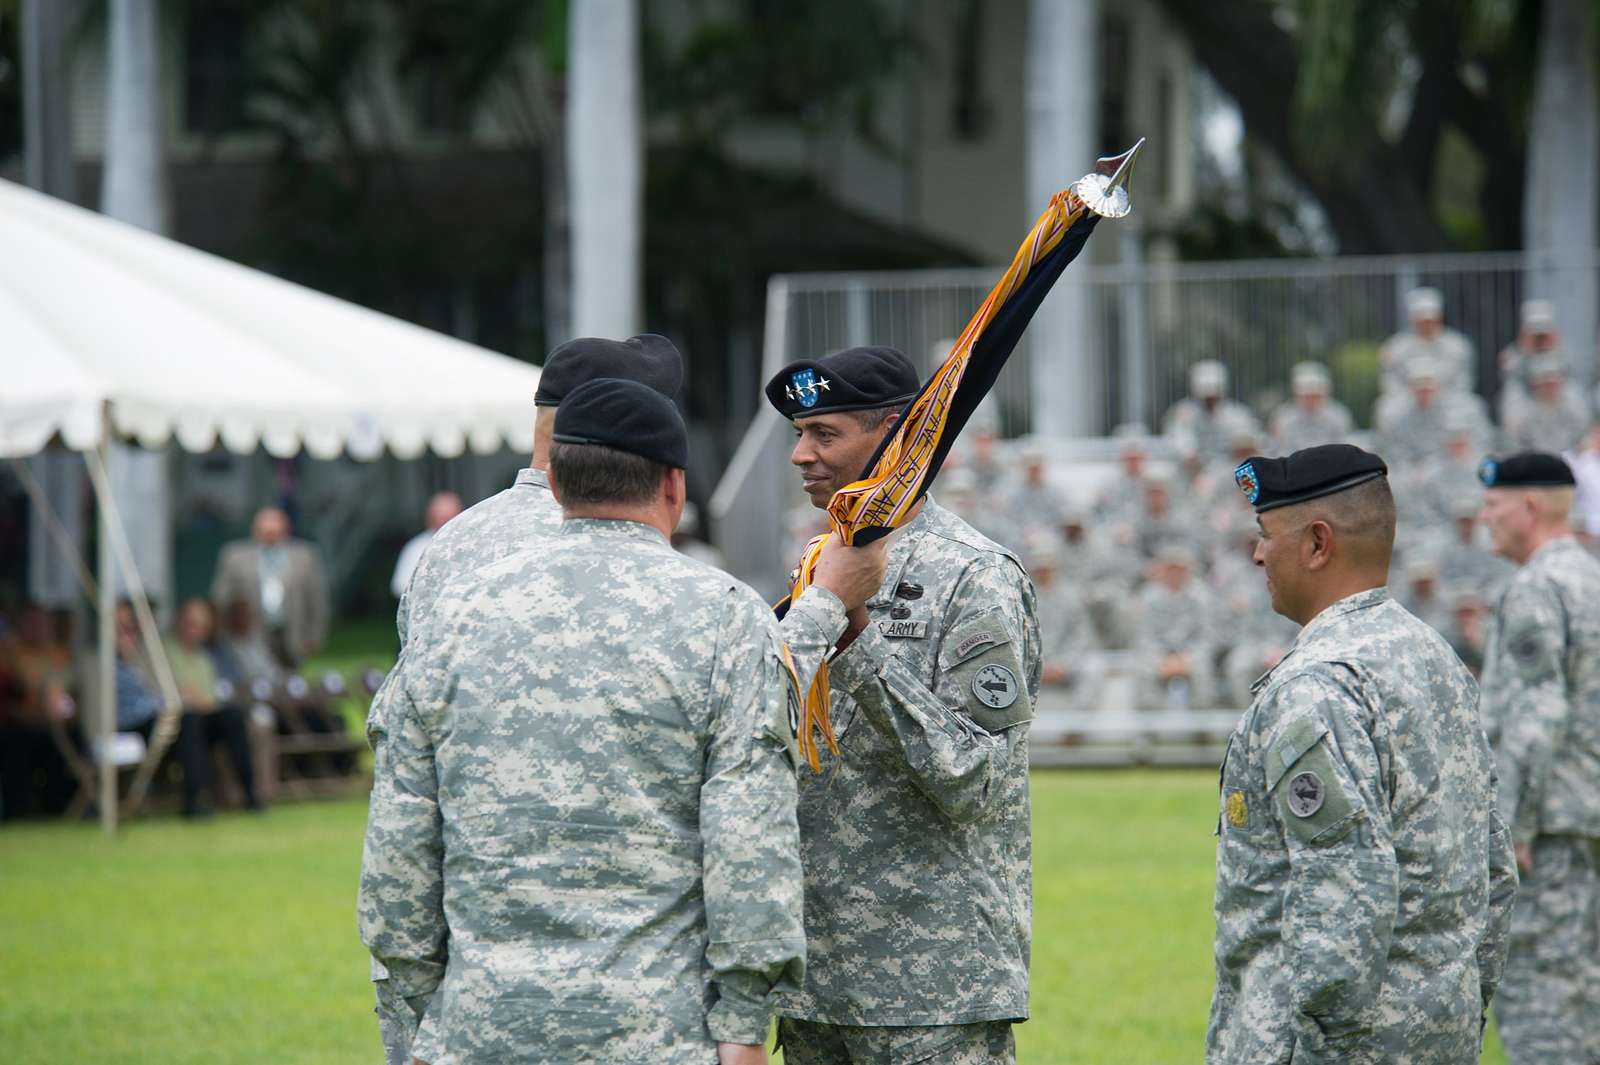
column 138, row 703
column 1203, row 422
column 1429, row 492
column 1162, row 521
column 1554, row 416
column 241, row 656
column 206, row 722
column 1422, row 594
column 34, row 776
column 1066, row 636
column 1412, row 431
column 1119, row 503
column 1312, row 417
column 1465, row 560
column 1466, row 633
column 1033, row 505
column 1538, row 335
column 1177, row 633
column 1426, row 337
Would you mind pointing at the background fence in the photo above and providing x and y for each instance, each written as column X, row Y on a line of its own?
column 1146, row 325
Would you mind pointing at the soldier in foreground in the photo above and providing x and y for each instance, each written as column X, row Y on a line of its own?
column 1364, row 877
column 916, row 839
column 1541, row 702
column 582, row 843
column 509, row 520
column 498, row 526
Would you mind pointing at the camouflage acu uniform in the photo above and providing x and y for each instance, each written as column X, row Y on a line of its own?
column 1364, row 877
column 1208, row 433
column 916, row 841
column 1541, row 697
column 483, row 533
column 1553, row 427
column 582, row 843
column 1293, row 428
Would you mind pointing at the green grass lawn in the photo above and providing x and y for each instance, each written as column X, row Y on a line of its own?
column 233, row 940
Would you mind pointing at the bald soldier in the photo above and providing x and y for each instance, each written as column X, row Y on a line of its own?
column 1364, row 877
column 916, row 839
column 582, row 843
column 1541, row 702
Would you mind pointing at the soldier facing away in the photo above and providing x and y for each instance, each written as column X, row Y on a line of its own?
column 916, row 839
column 582, row 842
column 1541, row 702
column 1364, row 876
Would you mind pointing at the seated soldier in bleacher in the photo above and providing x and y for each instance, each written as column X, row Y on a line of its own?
column 34, row 776
column 1068, row 647
column 206, row 722
column 1177, row 634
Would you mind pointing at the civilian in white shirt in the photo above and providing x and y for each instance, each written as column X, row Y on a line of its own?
column 441, row 508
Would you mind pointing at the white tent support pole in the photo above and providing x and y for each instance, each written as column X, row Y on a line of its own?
column 114, row 538
column 106, row 723
column 58, row 531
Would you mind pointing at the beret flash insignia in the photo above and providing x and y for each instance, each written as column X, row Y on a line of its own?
column 1245, row 478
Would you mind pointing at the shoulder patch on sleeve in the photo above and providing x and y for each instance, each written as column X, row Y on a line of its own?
column 983, row 666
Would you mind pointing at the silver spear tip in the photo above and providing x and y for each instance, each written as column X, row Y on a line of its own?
column 1104, row 190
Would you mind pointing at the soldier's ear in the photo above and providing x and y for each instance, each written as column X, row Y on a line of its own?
column 1319, row 544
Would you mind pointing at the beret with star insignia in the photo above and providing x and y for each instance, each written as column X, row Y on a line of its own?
column 853, row 379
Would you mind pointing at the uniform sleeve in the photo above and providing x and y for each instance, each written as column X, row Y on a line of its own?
column 400, row 907
column 1536, row 714
column 812, row 626
column 1502, row 893
column 1343, row 890
column 748, row 828
column 964, row 735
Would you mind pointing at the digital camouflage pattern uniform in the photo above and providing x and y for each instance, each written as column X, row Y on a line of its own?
column 582, row 843
column 483, row 533
column 916, row 840
column 1541, row 699
column 1364, row 878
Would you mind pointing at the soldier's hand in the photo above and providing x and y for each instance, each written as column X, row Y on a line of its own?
column 741, row 1054
column 1524, row 853
column 854, row 574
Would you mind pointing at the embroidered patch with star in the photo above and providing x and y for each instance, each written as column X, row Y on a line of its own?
column 804, row 384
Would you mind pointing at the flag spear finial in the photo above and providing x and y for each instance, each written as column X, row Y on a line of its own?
column 1104, row 190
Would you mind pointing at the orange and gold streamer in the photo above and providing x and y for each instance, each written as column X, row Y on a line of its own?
column 886, row 495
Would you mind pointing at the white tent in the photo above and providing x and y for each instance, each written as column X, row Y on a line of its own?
column 108, row 331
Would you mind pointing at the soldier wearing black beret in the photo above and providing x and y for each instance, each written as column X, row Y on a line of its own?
column 916, row 919
column 1364, row 874
column 514, row 518
column 1541, row 707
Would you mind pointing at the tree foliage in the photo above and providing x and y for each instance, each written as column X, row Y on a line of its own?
column 1358, row 99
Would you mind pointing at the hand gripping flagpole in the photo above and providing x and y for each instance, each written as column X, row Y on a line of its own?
column 909, row 458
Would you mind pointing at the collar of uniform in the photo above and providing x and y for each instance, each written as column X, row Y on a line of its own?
column 1553, row 548
column 528, row 477
column 615, row 528
column 1330, row 614
column 1348, row 605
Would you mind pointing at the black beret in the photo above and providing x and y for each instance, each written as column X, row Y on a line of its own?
column 647, row 358
column 1309, row 474
column 627, row 416
column 1529, row 469
column 852, row 379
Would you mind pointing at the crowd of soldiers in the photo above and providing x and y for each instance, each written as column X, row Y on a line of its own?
column 593, row 835
column 1143, row 580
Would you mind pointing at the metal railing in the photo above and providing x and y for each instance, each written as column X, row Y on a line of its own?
column 1148, row 324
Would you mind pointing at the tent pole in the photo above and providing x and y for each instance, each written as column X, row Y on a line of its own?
column 105, row 726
